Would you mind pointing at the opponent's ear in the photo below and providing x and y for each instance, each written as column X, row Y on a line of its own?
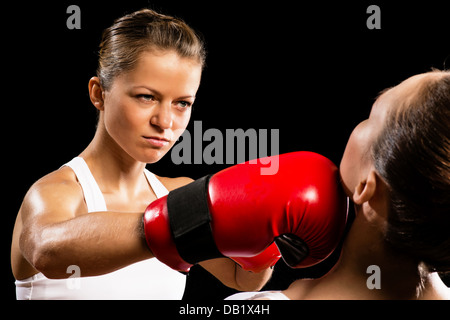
column 365, row 190
column 96, row 93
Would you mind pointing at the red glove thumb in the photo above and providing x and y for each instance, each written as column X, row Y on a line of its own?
column 266, row 259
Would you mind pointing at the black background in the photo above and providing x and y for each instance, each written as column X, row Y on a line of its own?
column 310, row 70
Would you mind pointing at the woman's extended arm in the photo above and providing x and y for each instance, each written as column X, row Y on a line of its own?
column 56, row 232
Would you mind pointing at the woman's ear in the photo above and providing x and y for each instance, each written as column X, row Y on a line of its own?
column 365, row 190
column 96, row 93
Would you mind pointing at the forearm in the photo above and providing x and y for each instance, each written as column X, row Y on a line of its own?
column 98, row 243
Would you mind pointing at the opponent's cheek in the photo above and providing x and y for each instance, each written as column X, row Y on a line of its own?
column 351, row 160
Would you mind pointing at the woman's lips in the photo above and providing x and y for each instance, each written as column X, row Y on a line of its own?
column 157, row 141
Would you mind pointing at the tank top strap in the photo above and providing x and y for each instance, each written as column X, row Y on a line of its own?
column 92, row 194
column 158, row 188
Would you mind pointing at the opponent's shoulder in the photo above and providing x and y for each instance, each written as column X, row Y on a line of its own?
column 174, row 183
column 301, row 289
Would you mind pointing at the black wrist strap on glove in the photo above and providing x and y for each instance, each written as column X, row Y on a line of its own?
column 189, row 219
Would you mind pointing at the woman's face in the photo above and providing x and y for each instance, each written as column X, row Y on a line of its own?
column 147, row 109
column 356, row 161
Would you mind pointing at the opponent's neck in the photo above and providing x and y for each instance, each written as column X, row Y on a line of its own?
column 368, row 263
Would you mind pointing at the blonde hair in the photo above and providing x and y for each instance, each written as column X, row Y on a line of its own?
column 140, row 31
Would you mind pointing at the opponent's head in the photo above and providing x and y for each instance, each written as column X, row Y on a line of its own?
column 405, row 146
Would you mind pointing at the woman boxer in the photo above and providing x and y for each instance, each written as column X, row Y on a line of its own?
column 396, row 169
column 149, row 72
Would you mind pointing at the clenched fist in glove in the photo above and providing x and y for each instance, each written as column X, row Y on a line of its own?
column 239, row 213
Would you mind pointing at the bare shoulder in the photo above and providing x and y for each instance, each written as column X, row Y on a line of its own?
column 63, row 180
column 53, row 198
column 300, row 289
column 58, row 189
column 174, row 183
column 62, row 176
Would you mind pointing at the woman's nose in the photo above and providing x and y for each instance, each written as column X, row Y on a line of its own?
column 163, row 116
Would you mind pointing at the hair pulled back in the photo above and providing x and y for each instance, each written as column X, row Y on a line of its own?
column 412, row 154
column 143, row 30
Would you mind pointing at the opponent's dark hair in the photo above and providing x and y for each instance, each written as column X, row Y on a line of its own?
column 132, row 34
column 412, row 155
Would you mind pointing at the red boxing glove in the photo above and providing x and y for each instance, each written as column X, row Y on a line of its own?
column 238, row 213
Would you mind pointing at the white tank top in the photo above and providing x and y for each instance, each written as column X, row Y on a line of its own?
column 148, row 279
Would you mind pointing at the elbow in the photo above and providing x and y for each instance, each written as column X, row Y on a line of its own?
column 43, row 257
column 50, row 260
column 45, row 262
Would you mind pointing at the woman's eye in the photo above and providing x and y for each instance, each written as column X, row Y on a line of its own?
column 146, row 97
column 184, row 104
